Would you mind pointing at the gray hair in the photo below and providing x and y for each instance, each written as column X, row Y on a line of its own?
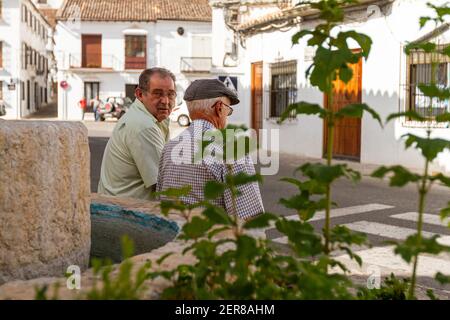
column 144, row 78
column 202, row 105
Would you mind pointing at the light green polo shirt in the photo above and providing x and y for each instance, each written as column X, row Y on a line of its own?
column 131, row 159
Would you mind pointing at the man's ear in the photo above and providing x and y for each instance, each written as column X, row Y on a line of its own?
column 138, row 92
column 218, row 108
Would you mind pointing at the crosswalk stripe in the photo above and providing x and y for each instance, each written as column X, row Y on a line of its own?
column 427, row 218
column 282, row 240
column 387, row 261
column 342, row 212
column 335, row 213
column 384, row 230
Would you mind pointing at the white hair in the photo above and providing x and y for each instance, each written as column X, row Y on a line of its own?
column 203, row 105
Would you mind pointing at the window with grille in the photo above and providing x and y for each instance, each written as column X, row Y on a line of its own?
column 420, row 71
column 135, row 52
column 283, row 87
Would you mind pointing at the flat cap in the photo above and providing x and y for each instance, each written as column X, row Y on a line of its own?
column 208, row 89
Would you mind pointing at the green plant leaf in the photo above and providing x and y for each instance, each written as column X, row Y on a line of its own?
column 303, row 108
column 164, row 257
column 427, row 47
column 167, row 205
column 356, row 111
column 423, row 21
column 444, row 117
column 352, row 255
column 430, row 148
column 217, row 215
column 305, row 207
column 325, row 174
column 433, row 91
column 260, row 221
column 242, row 178
column 245, row 249
column 342, row 234
column 445, row 213
column 213, row 189
column 364, row 41
column 441, row 278
column 204, row 250
column 296, row 37
column 345, row 74
column 309, row 186
column 196, row 228
column 441, row 178
column 302, row 237
column 446, row 51
column 400, row 175
column 175, row 192
column 411, row 115
column 410, row 247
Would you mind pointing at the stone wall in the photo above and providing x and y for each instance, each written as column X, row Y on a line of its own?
column 44, row 198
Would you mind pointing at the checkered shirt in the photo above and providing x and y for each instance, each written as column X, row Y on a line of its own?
column 177, row 168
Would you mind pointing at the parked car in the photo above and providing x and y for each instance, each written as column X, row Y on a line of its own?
column 180, row 114
column 114, row 107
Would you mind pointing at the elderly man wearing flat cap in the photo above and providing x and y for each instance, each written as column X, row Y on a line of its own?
column 209, row 103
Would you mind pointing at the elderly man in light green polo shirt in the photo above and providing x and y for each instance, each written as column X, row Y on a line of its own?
column 131, row 158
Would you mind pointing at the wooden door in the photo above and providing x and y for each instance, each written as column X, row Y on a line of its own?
column 257, row 93
column 91, row 51
column 347, row 132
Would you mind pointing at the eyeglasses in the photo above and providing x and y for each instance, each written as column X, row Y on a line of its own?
column 229, row 112
column 158, row 94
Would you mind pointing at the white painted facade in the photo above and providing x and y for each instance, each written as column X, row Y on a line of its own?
column 165, row 48
column 14, row 33
column 383, row 75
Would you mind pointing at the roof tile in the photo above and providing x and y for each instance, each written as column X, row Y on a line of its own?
column 135, row 10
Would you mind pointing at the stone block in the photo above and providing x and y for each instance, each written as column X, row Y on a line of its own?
column 44, row 198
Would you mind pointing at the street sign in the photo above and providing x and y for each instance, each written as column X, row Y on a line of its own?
column 230, row 82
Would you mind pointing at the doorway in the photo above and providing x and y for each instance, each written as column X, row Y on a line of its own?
column 129, row 91
column 91, row 51
column 91, row 91
column 347, row 131
column 257, row 95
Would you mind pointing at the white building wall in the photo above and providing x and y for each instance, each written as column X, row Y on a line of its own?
column 383, row 75
column 9, row 25
column 12, row 33
column 165, row 47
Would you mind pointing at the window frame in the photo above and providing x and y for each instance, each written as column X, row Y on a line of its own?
column 420, row 58
column 287, row 71
column 135, row 62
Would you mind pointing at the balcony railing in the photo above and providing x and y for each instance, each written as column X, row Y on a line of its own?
column 104, row 61
column 195, row 64
column 135, row 63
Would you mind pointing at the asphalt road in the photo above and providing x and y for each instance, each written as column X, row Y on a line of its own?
column 371, row 206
